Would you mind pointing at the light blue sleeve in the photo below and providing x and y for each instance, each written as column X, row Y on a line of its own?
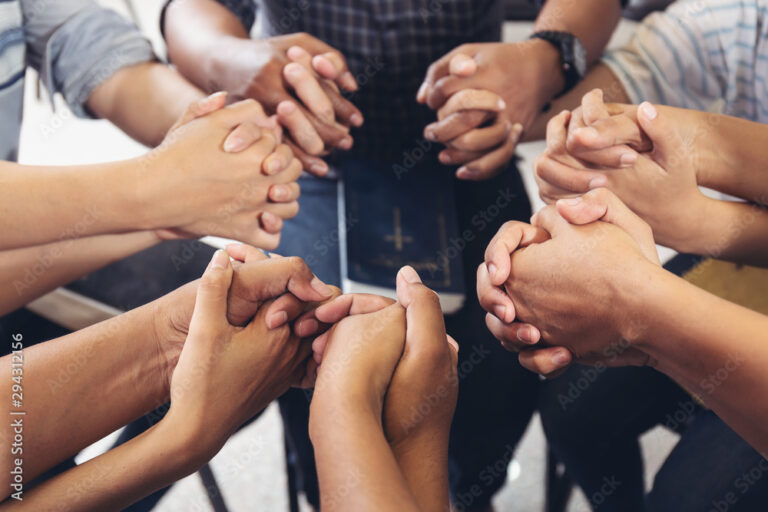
column 666, row 61
column 76, row 45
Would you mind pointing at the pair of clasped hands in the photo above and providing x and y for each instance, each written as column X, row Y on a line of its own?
column 558, row 290
column 484, row 95
column 253, row 326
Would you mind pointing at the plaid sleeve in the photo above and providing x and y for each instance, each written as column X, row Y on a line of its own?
column 245, row 10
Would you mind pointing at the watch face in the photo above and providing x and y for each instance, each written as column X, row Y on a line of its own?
column 579, row 57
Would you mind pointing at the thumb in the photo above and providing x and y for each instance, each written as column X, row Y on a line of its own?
column 666, row 141
column 462, row 65
column 406, row 277
column 200, row 108
column 602, row 204
column 211, row 302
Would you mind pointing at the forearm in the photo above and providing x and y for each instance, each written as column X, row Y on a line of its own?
column 581, row 18
column 34, row 271
column 86, row 385
column 144, row 100
column 44, row 204
column 714, row 348
column 599, row 76
column 118, row 478
column 727, row 230
column 424, row 463
column 356, row 467
column 731, row 155
column 201, row 35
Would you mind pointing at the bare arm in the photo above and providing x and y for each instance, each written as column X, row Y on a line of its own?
column 114, row 480
column 32, row 272
column 714, row 348
column 87, row 384
column 599, row 76
column 197, row 31
column 144, row 100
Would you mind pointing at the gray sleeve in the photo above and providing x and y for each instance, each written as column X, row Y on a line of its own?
column 76, row 45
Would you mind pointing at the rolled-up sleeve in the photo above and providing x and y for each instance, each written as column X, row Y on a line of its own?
column 76, row 45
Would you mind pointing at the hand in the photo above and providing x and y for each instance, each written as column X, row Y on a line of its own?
column 280, row 70
column 470, row 147
column 660, row 186
column 359, row 357
column 421, row 398
column 572, row 286
column 257, row 279
column 249, row 201
column 494, row 272
column 227, row 374
column 525, row 75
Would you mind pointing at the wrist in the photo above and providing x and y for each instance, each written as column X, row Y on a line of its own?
column 549, row 70
column 638, row 296
column 171, row 315
column 340, row 408
column 235, row 62
column 700, row 227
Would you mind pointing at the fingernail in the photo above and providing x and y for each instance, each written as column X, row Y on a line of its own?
column 500, row 312
column 318, row 169
column 234, row 144
column 422, row 91
column 533, row 334
column 220, row 260
column 571, row 201
column 274, row 166
column 492, row 270
column 502, row 104
column 287, row 107
column 308, row 327
column 445, row 158
column 410, row 275
column 279, row 193
column 356, row 119
column 296, row 52
column 525, row 335
column 214, row 97
column 293, row 69
column 597, row 182
column 277, row 319
column 628, row 159
column 648, row 110
column 430, row 135
column 463, row 172
column 349, row 81
column 320, row 287
column 517, row 128
column 560, row 358
column 345, row 143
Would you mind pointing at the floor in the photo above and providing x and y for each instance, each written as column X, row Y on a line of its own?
column 250, row 467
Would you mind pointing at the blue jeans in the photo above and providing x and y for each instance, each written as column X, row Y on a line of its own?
column 496, row 396
column 592, row 420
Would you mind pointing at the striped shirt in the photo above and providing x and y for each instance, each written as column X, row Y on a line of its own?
column 75, row 45
column 700, row 54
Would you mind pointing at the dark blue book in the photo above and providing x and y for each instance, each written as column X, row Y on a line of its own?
column 389, row 219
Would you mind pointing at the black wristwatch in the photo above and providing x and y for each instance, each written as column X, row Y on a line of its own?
column 573, row 57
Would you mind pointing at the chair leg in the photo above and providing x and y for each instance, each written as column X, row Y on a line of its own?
column 212, row 489
column 558, row 486
column 290, row 471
